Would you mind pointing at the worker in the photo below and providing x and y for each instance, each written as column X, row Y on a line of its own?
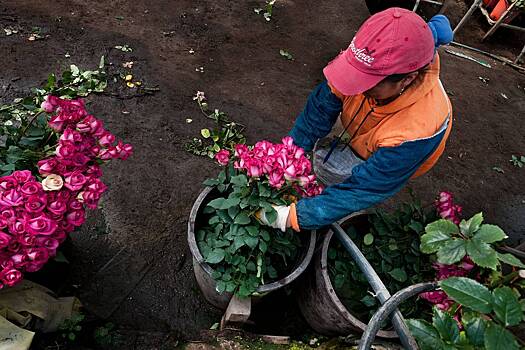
column 395, row 115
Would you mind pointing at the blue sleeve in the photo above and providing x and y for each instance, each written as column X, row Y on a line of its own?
column 317, row 118
column 371, row 182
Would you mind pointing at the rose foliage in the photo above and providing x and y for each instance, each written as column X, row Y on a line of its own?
column 480, row 296
column 244, row 253
column 40, row 206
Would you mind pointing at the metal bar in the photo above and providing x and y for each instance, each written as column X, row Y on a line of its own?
column 491, row 55
column 472, row 8
column 433, row 2
column 416, row 5
column 510, row 26
column 499, row 22
column 386, row 309
column 377, row 285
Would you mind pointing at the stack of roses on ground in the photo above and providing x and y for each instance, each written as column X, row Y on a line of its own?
column 243, row 252
column 38, row 210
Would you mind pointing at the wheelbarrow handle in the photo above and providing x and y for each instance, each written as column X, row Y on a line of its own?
column 382, row 293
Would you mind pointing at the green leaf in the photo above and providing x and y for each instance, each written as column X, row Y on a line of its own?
column 211, row 182
column 239, row 180
column 398, row 274
column 215, row 256
column 251, row 241
column 471, row 225
column 468, row 292
column 482, row 254
column 437, row 234
column 511, row 260
column 263, row 247
column 237, row 243
column 220, row 287
column 223, row 203
column 368, row 300
column 490, row 234
column 271, row 215
column 233, row 211
column 498, row 338
column 451, row 252
column 368, row 239
column 205, row 133
column 217, row 203
column 475, row 330
column 506, row 306
column 242, row 219
column 426, row 335
column 252, row 230
column 445, row 325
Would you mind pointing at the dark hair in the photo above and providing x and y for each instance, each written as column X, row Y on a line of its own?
column 396, row 78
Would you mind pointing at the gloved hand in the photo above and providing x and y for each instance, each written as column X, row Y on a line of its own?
column 281, row 222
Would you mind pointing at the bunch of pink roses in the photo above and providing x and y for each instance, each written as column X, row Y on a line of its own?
column 36, row 216
column 447, row 209
column 279, row 164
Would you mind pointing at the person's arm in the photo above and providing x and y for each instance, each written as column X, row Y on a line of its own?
column 371, row 182
column 317, row 118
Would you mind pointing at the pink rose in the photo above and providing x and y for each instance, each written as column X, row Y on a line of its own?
column 47, row 106
column 75, row 181
column 47, row 242
column 8, row 182
column 31, row 188
column 60, row 235
column 105, row 154
column 35, row 203
column 276, row 179
column 41, row 225
column 71, row 135
column 240, row 150
column 8, row 214
column 26, row 239
column 91, row 125
column 11, row 198
column 37, row 254
column 107, row 139
column 57, row 122
column 17, row 227
column 287, row 141
column 76, row 218
column 10, row 277
column 22, row 176
column 75, row 204
column 97, row 186
column 290, row 173
column 94, row 171
column 46, row 166
column 124, row 150
column 254, row 169
column 91, row 199
column 3, row 222
column 222, row 157
column 57, row 207
column 65, row 149
column 5, row 239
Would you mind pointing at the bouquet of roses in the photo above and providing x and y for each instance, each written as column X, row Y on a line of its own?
column 38, row 210
column 242, row 251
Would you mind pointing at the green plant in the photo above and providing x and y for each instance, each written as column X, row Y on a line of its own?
column 24, row 131
column 452, row 242
column 484, row 317
column 243, row 252
column 520, row 3
column 391, row 245
column 106, row 335
column 267, row 12
column 517, row 161
column 71, row 328
column 224, row 135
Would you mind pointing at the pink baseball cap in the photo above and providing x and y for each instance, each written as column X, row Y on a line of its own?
column 393, row 41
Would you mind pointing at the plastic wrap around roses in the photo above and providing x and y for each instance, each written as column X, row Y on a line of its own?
column 277, row 163
column 37, row 212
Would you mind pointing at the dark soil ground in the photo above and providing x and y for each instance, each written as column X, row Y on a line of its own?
column 130, row 263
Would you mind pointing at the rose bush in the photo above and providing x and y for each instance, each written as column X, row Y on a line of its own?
column 243, row 252
column 41, row 206
column 479, row 300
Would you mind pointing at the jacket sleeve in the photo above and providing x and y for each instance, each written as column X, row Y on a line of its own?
column 371, row 182
column 317, row 118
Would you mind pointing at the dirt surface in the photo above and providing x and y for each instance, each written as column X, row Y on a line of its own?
column 149, row 284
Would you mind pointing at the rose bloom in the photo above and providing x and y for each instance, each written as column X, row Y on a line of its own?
column 46, row 166
column 35, row 203
column 75, row 181
column 76, row 218
column 5, row 239
column 11, row 198
column 10, row 277
column 30, row 188
column 41, row 225
column 22, row 176
column 222, row 157
column 52, row 182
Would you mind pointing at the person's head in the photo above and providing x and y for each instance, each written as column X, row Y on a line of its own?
column 388, row 53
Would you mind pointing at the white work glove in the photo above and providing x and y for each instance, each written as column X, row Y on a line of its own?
column 282, row 217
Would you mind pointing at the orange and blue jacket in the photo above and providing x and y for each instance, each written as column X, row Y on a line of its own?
column 398, row 141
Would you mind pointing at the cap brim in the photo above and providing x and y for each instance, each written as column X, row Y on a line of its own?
column 347, row 79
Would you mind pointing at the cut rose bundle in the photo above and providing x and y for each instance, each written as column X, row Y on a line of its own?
column 37, row 211
column 243, row 252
